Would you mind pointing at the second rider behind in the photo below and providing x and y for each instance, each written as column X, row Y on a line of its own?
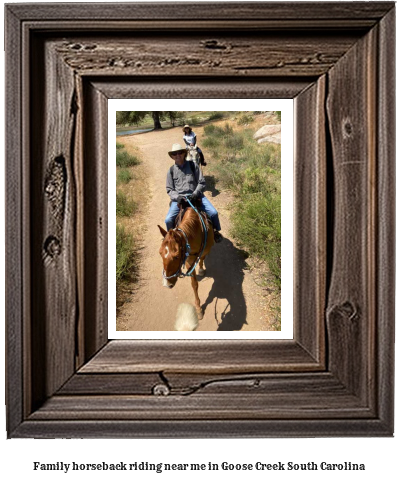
column 190, row 139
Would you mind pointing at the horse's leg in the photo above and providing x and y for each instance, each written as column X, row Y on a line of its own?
column 194, row 284
column 201, row 270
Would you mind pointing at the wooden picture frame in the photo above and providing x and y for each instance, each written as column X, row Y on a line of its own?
column 335, row 378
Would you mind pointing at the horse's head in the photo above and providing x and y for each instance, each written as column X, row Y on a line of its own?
column 171, row 253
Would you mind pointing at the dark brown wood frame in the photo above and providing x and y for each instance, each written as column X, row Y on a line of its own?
column 63, row 62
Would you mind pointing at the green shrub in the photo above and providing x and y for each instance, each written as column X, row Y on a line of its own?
column 193, row 121
column 124, row 205
column 216, row 116
column 124, row 159
column 234, row 141
column 257, row 225
column 209, row 129
column 211, row 142
column 213, row 130
column 278, row 115
column 244, row 119
column 123, row 176
column 228, row 129
column 119, row 145
column 125, row 253
column 253, row 172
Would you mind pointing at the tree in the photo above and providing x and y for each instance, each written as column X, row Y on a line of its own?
column 134, row 118
column 130, row 118
column 173, row 116
column 156, row 117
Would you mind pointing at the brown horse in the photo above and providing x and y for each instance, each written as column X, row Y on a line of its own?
column 174, row 248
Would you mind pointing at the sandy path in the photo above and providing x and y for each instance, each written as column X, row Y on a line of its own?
column 229, row 297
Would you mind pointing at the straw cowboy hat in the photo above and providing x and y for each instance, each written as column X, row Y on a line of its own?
column 177, row 148
column 187, row 127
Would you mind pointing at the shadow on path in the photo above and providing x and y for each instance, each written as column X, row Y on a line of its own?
column 211, row 185
column 226, row 264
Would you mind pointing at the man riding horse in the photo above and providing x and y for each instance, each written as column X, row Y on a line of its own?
column 185, row 180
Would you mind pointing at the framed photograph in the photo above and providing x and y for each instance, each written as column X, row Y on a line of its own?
column 245, row 162
column 65, row 377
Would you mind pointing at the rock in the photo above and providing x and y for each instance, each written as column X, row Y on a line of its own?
column 267, row 130
column 269, row 133
column 275, row 139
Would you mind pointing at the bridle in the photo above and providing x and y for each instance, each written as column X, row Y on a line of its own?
column 184, row 255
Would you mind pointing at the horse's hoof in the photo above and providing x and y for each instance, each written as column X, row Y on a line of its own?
column 201, row 272
column 200, row 314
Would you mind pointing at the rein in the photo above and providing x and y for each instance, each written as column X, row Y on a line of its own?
column 180, row 273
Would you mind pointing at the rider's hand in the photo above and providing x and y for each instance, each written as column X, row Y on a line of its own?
column 180, row 199
column 192, row 197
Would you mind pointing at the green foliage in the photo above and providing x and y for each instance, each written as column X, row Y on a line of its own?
column 124, row 205
column 125, row 253
column 119, row 145
column 253, row 172
column 213, row 130
column 257, row 225
column 278, row 115
column 123, row 176
column 210, row 143
column 234, row 141
column 245, row 118
column 124, row 159
column 174, row 117
column 130, row 118
column 216, row 116
column 193, row 121
column 138, row 117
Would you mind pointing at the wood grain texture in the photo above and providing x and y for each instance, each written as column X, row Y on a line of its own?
column 15, row 234
column 193, row 87
column 53, row 210
column 209, row 11
column 184, row 384
column 206, row 55
column 210, row 407
column 200, row 356
column 118, row 428
column 350, row 314
column 310, row 242
column 385, row 245
column 95, row 201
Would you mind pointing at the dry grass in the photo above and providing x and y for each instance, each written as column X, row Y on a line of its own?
column 135, row 190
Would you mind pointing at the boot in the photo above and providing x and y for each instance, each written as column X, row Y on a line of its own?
column 218, row 237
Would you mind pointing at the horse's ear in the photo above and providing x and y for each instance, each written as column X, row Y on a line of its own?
column 164, row 232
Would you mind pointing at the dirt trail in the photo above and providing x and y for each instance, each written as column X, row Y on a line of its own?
column 230, row 298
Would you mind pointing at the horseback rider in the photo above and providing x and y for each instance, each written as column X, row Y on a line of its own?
column 185, row 180
column 190, row 139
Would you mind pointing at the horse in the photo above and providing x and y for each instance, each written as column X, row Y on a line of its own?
column 185, row 245
column 193, row 155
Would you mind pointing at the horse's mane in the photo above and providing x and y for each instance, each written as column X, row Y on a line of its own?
column 190, row 223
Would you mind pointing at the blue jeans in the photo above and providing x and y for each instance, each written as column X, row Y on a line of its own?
column 206, row 206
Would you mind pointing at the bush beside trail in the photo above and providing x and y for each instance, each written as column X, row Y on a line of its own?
column 253, row 173
column 126, row 207
column 125, row 253
column 124, row 158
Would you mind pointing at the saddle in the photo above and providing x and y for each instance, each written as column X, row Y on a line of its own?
column 183, row 210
